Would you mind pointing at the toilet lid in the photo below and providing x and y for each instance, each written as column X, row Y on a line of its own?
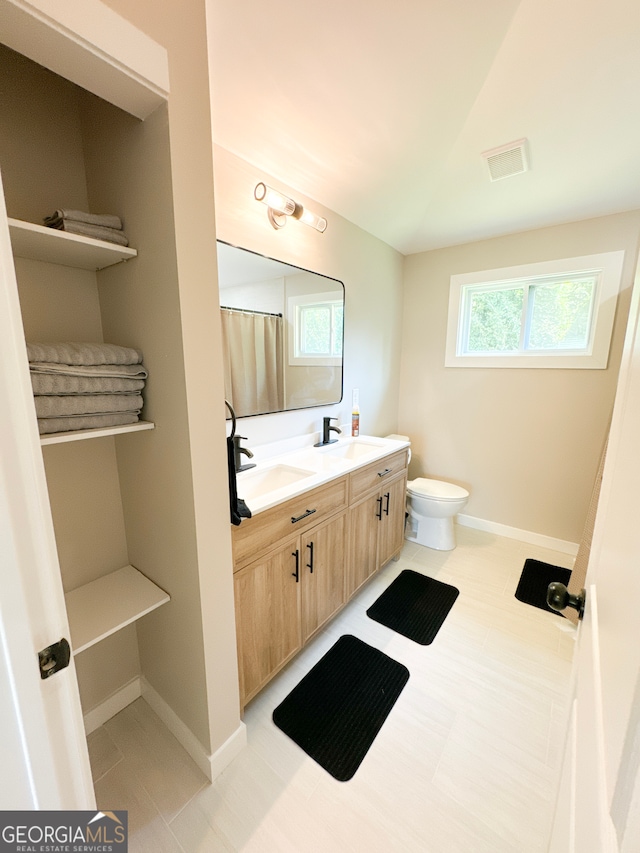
column 436, row 489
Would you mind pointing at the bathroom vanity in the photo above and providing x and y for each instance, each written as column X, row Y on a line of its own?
column 324, row 521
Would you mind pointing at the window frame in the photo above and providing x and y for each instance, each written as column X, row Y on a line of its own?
column 608, row 266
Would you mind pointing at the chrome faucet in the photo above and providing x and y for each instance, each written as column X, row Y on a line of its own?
column 237, row 454
column 326, row 432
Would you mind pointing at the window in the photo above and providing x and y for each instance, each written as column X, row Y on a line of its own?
column 319, row 329
column 316, row 321
column 551, row 314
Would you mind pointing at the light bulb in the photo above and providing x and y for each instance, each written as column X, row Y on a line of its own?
column 313, row 220
column 280, row 206
column 275, row 200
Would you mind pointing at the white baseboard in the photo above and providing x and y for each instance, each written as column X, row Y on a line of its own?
column 211, row 765
column 527, row 536
column 225, row 754
column 112, row 705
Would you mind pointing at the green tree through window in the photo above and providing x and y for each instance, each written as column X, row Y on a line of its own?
column 495, row 318
column 560, row 314
column 549, row 315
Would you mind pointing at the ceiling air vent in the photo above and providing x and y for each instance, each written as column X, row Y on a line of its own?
column 506, row 161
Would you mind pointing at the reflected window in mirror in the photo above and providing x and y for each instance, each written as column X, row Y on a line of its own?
column 282, row 333
column 315, row 323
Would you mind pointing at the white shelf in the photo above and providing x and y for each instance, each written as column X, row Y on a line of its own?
column 104, row 606
column 39, row 243
column 81, row 434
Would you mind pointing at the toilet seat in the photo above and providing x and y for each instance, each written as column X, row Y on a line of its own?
column 423, row 487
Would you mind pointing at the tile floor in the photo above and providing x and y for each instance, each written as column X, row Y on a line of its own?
column 467, row 760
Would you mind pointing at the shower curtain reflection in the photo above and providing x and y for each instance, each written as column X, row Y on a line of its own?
column 252, row 349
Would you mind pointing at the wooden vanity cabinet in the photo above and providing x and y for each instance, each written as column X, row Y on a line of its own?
column 298, row 563
column 296, row 583
column 377, row 510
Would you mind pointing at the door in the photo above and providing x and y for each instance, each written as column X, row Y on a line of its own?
column 323, row 565
column 267, row 602
column 392, row 527
column 599, row 804
column 44, row 752
column 363, row 558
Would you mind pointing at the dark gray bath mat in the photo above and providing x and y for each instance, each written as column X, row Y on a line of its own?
column 534, row 580
column 336, row 711
column 415, row 606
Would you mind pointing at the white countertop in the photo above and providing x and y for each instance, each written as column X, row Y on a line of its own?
column 286, row 475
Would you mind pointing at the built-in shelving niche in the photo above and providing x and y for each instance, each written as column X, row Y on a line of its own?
column 37, row 243
column 98, row 609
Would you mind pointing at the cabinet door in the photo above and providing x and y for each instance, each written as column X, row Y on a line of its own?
column 323, row 566
column 365, row 523
column 392, row 524
column 267, row 603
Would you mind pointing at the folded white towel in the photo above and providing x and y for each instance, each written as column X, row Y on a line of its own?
column 62, row 384
column 83, row 353
column 108, row 220
column 49, row 425
column 87, row 404
column 128, row 371
column 98, row 232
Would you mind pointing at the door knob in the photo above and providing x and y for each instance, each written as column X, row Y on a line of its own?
column 559, row 597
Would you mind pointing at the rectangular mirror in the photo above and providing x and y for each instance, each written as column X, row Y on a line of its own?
column 282, row 334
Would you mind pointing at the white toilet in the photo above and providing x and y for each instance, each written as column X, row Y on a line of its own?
column 432, row 505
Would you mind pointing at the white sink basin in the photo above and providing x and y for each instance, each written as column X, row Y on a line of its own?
column 351, row 450
column 262, row 481
column 320, row 461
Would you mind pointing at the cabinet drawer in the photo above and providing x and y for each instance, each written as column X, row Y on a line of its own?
column 257, row 535
column 373, row 476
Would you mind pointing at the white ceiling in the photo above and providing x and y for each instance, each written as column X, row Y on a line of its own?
column 240, row 266
column 381, row 110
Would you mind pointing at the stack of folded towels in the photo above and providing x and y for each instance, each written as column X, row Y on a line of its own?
column 85, row 386
column 101, row 226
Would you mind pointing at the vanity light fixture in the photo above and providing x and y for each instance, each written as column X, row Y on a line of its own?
column 279, row 206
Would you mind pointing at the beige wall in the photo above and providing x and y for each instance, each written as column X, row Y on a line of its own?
column 525, row 442
column 372, row 275
column 42, row 160
column 129, row 171
column 181, row 29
